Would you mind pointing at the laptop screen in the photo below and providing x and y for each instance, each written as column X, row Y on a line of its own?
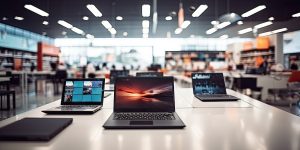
column 83, row 91
column 208, row 83
column 144, row 94
column 117, row 73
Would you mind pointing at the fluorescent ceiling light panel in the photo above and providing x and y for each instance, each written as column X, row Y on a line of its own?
column 185, row 24
column 214, row 22
column 145, row 35
column 263, row 25
column 199, row 10
column 106, row 24
column 211, row 31
column 119, row 18
column 19, row 18
column 245, row 31
column 240, row 22
column 94, row 10
column 36, row 10
column 45, row 23
column 265, row 34
column 168, row 18
column 279, row 30
column 125, row 33
column 253, row 11
column 271, row 18
column 76, row 30
column 89, row 36
column 146, row 23
column 224, row 36
column 178, row 30
column 223, row 25
column 65, row 24
column 145, row 30
column 296, row 15
column 146, row 10
column 112, row 31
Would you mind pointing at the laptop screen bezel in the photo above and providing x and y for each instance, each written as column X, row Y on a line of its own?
column 83, row 103
column 193, row 80
column 148, row 74
column 117, row 72
column 145, row 78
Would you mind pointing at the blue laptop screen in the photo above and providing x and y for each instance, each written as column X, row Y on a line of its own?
column 83, row 91
column 208, row 83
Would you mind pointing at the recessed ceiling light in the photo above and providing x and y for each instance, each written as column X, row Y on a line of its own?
column 112, row 31
column 245, row 31
column 146, row 10
column 199, row 10
column 85, row 18
column 211, row 31
column 214, row 22
column 224, row 36
column 271, row 18
column 240, row 22
column 125, row 34
column 254, row 10
column 168, row 18
column 178, row 30
column 19, row 18
column 89, row 36
column 94, row 10
column 145, row 23
column 65, row 24
column 4, row 18
column 45, row 23
column 185, row 24
column 223, row 25
column 106, row 24
column 296, row 15
column 263, row 25
column 119, row 18
column 36, row 10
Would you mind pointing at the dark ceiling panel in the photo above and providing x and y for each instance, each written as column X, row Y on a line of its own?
column 72, row 11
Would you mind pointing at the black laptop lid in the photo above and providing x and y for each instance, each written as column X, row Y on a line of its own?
column 34, row 129
column 208, row 83
column 117, row 73
column 144, row 94
column 149, row 74
column 83, row 92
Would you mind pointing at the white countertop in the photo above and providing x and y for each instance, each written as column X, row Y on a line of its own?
column 244, row 125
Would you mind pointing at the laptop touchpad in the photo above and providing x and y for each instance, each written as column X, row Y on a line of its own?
column 141, row 123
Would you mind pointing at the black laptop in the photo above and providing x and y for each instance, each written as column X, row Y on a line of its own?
column 210, row 87
column 117, row 73
column 149, row 74
column 34, row 129
column 80, row 96
column 144, row 103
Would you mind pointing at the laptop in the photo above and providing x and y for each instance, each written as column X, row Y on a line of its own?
column 34, row 129
column 149, row 74
column 117, row 73
column 80, row 96
column 210, row 87
column 144, row 106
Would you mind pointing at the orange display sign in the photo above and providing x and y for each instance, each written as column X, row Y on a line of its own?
column 262, row 42
column 247, row 45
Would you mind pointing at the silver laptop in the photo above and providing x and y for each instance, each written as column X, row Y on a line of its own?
column 80, row 96
column 210, row 87
column 144, row 103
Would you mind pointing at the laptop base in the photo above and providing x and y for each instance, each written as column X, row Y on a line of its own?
column 217, row 99
column 71, row 111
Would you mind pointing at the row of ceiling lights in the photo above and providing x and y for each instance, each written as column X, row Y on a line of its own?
column 145, row 23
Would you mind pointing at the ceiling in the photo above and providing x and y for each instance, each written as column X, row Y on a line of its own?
column 72, row 11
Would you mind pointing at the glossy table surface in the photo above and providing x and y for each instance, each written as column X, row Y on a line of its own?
column 244, row 125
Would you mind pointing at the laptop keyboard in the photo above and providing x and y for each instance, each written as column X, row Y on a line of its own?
column 143, row 116
column 67, row 107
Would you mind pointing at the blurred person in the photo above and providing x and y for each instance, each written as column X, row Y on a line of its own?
column 293, row 65
column 104, row 67
column 91, row 70
column 61, row 66
column 264, row 66
column 113, row 67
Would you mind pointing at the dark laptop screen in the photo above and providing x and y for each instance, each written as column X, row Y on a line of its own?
column 117, row 73
column 149, row 74
column 83, row 91
column 144, row 94
column 208, row 83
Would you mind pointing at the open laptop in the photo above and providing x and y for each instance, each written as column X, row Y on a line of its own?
column 210, row 87
column 80, row 96
column 117, row 73
column 149, row 74
column 144, row 103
